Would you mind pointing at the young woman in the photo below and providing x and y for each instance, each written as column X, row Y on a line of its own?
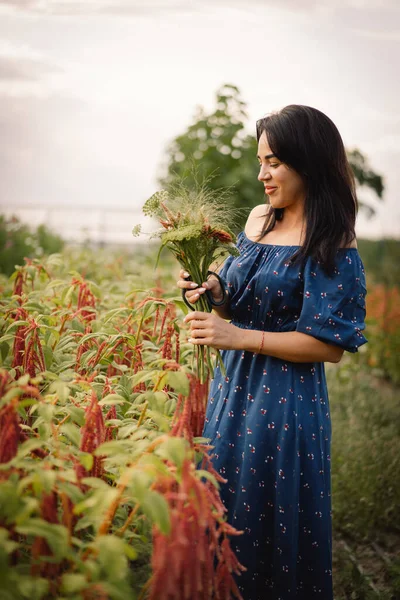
column 295, row 298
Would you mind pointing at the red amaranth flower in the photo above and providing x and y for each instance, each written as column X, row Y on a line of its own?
column 223, row 236
column 194, row 541
column 112, row 414
column 85, row 299
column 82, row 348
column 95, row 592
column 40, row 548
column 198, row 398
column 28, row 354
column 167, row 346
column 9, row 433
column 167, row 313
column 18, row 285
column 189, row 416
column 93, row 434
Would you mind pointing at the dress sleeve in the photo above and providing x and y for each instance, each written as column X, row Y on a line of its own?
column 333, row 309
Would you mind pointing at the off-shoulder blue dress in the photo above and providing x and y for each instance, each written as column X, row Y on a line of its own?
column 269, row 419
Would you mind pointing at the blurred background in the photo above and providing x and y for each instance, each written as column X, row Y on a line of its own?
column 104, row 101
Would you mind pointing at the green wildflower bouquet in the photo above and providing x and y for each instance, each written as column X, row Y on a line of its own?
column 196, row 228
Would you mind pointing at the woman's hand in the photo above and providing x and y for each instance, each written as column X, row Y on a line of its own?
column 210, row 330
column 194, row 291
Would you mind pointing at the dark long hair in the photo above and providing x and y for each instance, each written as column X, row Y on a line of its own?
column 307, row 141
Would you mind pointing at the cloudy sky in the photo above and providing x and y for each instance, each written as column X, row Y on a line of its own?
column 92, row 91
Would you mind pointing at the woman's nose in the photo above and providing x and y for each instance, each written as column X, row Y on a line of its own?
column 263, row 174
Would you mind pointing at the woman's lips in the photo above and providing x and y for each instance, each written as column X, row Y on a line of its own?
column 270, row 190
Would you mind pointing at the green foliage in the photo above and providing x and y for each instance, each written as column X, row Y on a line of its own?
column 363, row 173
column 364, row 409
column 365, row 415
column 381, row 260
column 218, row 144
column 91, row 432
column 17, row 240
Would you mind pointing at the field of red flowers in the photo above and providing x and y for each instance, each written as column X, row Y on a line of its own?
column 103, row 473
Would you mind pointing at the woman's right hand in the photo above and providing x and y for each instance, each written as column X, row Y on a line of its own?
column 195, row 291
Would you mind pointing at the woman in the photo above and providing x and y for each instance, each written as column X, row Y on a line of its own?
column 295, row 298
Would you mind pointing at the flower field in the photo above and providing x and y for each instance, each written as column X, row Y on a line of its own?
column 106, row 487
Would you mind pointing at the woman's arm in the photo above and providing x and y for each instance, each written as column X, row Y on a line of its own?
column 294, row 346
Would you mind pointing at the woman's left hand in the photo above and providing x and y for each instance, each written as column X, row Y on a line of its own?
column 210, row 330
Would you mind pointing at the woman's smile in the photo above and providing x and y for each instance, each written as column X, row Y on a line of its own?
column 270, row 190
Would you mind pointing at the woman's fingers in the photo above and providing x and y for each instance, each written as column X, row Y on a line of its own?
column 198, row 324
column 193, row 290
column 214, row 287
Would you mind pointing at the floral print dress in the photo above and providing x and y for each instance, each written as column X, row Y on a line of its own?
column 269, row 419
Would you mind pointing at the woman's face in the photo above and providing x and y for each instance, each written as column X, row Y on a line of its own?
column 284, row 186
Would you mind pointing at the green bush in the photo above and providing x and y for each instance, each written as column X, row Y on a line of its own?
column 365, row 414
column 18, row 240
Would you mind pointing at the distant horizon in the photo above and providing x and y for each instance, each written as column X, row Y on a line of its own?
column 115, row 236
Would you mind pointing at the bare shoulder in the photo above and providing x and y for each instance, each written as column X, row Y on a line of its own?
column 256, row 218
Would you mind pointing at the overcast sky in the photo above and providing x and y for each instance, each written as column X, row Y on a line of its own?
column 92, row 91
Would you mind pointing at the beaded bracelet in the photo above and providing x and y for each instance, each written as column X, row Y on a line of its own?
column 262, row 343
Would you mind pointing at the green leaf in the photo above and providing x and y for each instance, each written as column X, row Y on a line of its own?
column 4, row 348
column 5, row 543
column 46, row 411
column 73, row 582
column 77, row 414
column 179, row 381
column 155, row 506
column 86, row 460
column 72, row 433
column 24, row 379
column 112, row 556
column 111, row 448
column 140, row 484
column 76, row 325
column 33, row 588
column 48, row 356
column 55, row 535
column 142, row 376
column 28, row 446
column 173, row 449
column 207, row 475
column 111, row 399
column 60, row 388
column 15, row 325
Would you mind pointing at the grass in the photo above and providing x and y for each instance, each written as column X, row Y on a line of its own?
column 365, row 413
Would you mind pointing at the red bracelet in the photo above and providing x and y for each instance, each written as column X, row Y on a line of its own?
column 262, row 343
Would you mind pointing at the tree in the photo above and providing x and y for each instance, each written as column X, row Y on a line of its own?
column 18, row 240
column 217, row 144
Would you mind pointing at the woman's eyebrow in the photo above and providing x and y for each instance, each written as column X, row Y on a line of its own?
column 268, row 156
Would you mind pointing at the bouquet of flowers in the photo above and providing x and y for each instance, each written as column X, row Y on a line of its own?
column 196, row 227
